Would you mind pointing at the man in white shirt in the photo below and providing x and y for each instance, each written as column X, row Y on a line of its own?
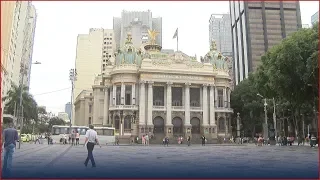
column 90, row 141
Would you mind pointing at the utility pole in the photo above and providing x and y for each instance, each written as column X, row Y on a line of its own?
column 23, row 71
column 73, row 78
column 275, row 118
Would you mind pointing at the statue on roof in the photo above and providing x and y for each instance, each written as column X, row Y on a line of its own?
column 213, row 45
column 129, row 38
column 152, row 35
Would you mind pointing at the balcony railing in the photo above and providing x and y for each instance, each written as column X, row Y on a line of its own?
column 124, row 107
column 178, row 108
column 193, row 108
column 159, row 108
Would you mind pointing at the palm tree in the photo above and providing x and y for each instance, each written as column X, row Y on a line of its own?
column 12, row 101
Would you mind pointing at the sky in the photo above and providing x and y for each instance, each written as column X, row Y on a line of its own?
column 59, row 23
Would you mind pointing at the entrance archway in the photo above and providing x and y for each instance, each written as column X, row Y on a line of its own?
column 195, row 123
column 158, row 123
column 117, row 122
column 221, row 125
column 177, row 126
column 127, row 123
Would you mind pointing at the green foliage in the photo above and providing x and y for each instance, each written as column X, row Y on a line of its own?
column 289, row 73
column 12, row 101
column 55, row 121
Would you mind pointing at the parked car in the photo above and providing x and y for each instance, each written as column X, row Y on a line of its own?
column 25, row 138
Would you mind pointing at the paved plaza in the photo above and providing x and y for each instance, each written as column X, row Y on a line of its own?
column 215, row 161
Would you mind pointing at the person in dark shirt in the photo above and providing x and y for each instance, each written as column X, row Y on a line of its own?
column 10, row 137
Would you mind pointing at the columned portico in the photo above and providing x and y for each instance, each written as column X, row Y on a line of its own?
column 212, row 111
column 142, row 110
column 187, row 124
column 176, row 95
column 150, row 106
column 205, row 123
column 169, row 125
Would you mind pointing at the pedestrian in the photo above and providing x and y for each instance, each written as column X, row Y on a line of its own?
column 166, row 141
column 73, row 138
column 143, row 140
column 203, row 140
column 189, row 140
column 10, row 137
column 77, row 137
column 90, row 141
column 147, row 139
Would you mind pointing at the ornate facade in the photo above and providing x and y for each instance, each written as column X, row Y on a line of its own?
column 146, row 91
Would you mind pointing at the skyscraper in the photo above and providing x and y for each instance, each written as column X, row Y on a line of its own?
column 256, row 27
column 94, row 51
column 315, row 18
column 220, row 32
column 67, row 109
column 138, row 24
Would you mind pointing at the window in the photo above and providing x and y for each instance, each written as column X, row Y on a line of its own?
column 90, row 108
column 104, row 42
column 89, row 120
column 104, row 51
column 110, row 34
column 220, row 98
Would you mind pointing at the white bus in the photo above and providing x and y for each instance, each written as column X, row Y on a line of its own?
column 106, row 135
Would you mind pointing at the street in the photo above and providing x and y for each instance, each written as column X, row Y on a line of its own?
column 212, row 161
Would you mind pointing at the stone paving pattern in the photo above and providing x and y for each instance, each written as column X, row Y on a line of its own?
column 211, row 161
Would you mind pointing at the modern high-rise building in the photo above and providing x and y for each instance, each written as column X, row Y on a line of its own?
column 7, row 19
column 94, row 51
column 68, row 109
column 18, row 21
column 256, row 27
column 220, row 32
column 138, row 24
column 315, row 18
column 28, row 41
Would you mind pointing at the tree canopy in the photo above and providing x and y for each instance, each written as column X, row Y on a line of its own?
column 289, row 72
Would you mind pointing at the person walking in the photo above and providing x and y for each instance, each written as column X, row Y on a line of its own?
column 189, row 140
column 10, row 137
column 90, row 140
column 73, row 138
column 77, row 138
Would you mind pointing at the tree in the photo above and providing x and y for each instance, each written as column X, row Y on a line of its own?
column 55, row 121
column 12, row 101
column 244, row 100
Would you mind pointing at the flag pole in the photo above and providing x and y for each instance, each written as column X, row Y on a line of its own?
column 177, row 42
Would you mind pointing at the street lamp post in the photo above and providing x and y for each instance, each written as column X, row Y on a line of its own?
column 73, row 78
column 23, row 71
column 265, row 125
column 238, row 127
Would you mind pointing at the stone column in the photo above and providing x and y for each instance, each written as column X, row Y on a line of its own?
column 142, row 109
column 133, row 91
column 205, row 105
column 122, row 93
column 187, row 104
column 106, row 106
column 168, row 107
column 229, row 97
column 216, row 96
column 95, row 108
column 150, row 103
column 224, row 97
column 110, row 97
column 114, row 92
column 226, row 124
column 212, row 110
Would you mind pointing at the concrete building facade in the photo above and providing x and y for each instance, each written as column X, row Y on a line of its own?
column 220, row 32
column 137, row 23
column 258, row 26
column 160, row 93
column 94, row 52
